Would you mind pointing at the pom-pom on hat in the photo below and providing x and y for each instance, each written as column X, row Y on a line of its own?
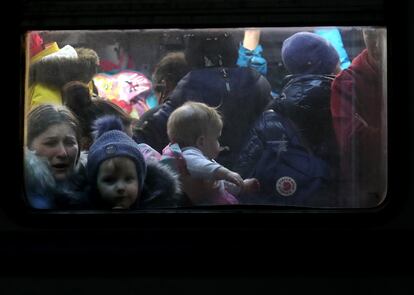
column 111, row 142
column 309, row 53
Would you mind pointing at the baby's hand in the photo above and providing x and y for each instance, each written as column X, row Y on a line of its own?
column 251, row 185
column 235, row 178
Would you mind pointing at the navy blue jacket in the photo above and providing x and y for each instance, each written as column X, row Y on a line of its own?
column 305, row 100
column 289, row 174
column 266, row 128
column 241, row 95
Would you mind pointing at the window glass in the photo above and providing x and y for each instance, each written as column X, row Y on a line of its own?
column 184, row 118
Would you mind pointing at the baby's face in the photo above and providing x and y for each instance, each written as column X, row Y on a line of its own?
column 211, row 146
column 118, row 182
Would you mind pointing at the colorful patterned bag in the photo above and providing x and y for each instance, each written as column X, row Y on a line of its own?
column 128, row 89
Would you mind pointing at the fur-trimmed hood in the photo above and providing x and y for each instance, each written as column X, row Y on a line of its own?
column 58, row 71
column 162, row 187
column 44, row 192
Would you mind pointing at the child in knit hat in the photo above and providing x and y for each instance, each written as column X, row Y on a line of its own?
column 117, row 172
column 115, row 165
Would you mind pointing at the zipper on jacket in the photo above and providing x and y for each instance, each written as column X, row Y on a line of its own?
column 226, row 78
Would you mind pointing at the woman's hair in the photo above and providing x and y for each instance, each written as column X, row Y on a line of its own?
column 170, row 69
column 77, row 98
column 192, row 120
column 46, row 115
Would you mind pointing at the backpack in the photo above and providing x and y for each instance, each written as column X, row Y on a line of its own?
column 288, row 172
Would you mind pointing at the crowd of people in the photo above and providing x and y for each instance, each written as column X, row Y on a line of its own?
column 219, row 135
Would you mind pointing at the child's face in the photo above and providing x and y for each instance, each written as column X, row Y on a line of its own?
column 209, row 145
column 118, row 182
column 59, row 145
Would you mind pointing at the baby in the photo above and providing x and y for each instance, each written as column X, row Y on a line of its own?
column 196, row 128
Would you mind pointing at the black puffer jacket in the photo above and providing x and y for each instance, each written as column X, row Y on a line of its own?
column 241, row 95
column 305, row 100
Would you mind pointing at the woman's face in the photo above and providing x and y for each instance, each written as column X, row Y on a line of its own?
column 59, row 145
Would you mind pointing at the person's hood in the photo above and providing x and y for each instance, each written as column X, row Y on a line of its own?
column 59, row 70
column 37, row 175
column 162, row 188
column 307, row 91
column 42, row 187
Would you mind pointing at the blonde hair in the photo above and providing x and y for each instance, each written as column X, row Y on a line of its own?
column 192, row 120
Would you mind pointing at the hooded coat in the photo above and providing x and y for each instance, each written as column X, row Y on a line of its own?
column 47, row 76
column 44, row 192
column 158, row 185
column 162, row 188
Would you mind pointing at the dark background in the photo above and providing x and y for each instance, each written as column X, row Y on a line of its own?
column 337, row 252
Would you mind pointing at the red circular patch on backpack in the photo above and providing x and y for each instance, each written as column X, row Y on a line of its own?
column 286, row 186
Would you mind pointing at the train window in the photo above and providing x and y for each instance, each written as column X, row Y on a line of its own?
column 187, row 118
